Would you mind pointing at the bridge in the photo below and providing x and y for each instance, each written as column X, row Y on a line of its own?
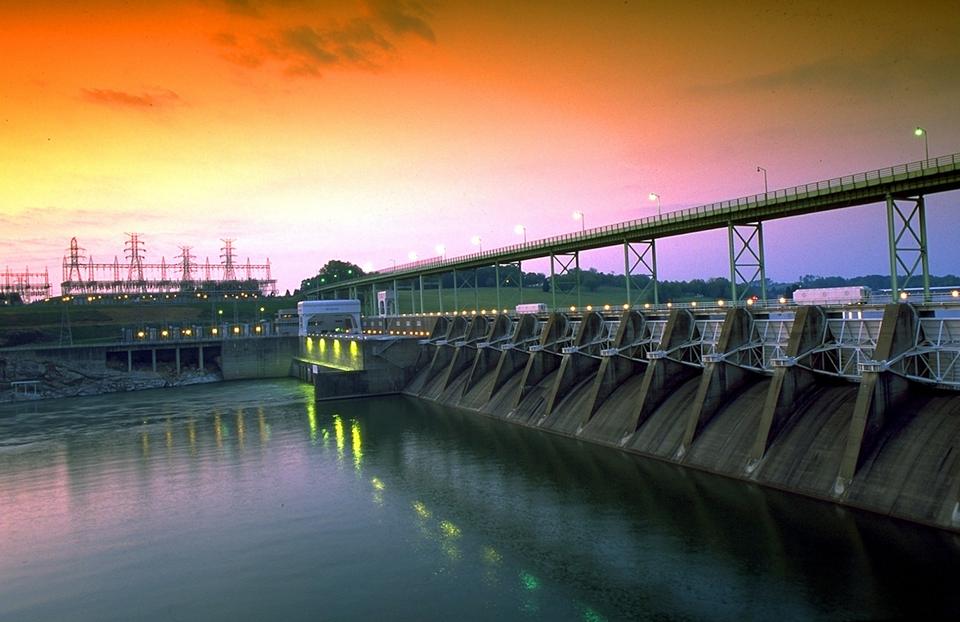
column 901, row 187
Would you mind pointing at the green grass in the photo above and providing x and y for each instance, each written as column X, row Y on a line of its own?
column 486, row 298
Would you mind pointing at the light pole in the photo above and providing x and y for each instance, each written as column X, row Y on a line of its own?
column 477, row 241
column 653, row 196
column 764, row 171
column 578, row 215
column 926, row 145
column 521, row 230
column 441, row 250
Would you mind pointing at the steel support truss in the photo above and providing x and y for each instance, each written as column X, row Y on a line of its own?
column 465, row 279
column 746, row 260
column 640, row 259
column 514, row 270
column 907, row 231
column 934, row 358
column 564, row 264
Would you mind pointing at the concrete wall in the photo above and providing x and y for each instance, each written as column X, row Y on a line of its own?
column 884, row 444
column 262, row 357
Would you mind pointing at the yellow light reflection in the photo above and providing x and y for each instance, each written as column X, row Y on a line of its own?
column 312, row 421
column 192, row 435
column 491, row 556
column 169, row 434
column 449, row 529
column 262, row 424
column 356, row 443
column 421, row 510
column 338, row 434
column 241, row 428
column 218, row 430
column 376, row 483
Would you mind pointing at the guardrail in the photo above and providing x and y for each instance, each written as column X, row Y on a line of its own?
column 942, row 164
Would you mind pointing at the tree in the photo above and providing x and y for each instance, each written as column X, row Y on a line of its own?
column 333, row 271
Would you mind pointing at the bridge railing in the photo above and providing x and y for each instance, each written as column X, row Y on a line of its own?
column 848, row 182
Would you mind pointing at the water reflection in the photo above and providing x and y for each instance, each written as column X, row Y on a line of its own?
column 510, row 521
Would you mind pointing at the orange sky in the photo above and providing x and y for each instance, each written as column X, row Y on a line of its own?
column 311, row 130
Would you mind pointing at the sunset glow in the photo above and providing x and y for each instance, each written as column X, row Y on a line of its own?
column 367, row 131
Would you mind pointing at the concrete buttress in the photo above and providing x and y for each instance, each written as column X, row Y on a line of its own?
column 721, row 381
column 880, row 392
column 791, row 382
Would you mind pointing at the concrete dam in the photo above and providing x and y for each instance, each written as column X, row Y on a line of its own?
column 859, row 406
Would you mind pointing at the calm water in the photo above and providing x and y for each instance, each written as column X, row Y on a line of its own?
column 245, row 501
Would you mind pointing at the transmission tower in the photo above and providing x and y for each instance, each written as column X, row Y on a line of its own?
column 134, row 252
column 226, row 254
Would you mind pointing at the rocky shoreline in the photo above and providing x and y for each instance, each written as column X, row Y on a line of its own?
column 56, row 380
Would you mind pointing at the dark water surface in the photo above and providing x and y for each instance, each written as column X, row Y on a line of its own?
column 246, row 501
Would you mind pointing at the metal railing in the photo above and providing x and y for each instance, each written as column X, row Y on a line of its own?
column 910, row 170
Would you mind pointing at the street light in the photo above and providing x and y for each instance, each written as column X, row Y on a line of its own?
column 477, row 241
column 441, row 250
column 653, row 196
column 926, row 146
column 521, row 230
column 578, row 215
column 759, row 169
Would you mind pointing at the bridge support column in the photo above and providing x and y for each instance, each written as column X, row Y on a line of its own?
column 562, row 264
column 177, row 358
column 614, row 370
column 129, row 361
column 880, row 392
column 907, row 233
column 721, row 381
column 153, row 359
column 791, row 383
column 640, row 254
column 577, row 365
column 746, row 259
column 421, row 293
column 200, row 358
column 664, row 373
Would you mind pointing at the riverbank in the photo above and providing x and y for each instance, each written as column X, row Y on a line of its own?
column 74, row 371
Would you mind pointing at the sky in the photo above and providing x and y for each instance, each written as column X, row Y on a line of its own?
column 310, row 130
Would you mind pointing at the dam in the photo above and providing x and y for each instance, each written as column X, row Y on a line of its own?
column 856, row 405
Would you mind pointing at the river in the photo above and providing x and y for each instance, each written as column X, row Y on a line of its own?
column 248, row 501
